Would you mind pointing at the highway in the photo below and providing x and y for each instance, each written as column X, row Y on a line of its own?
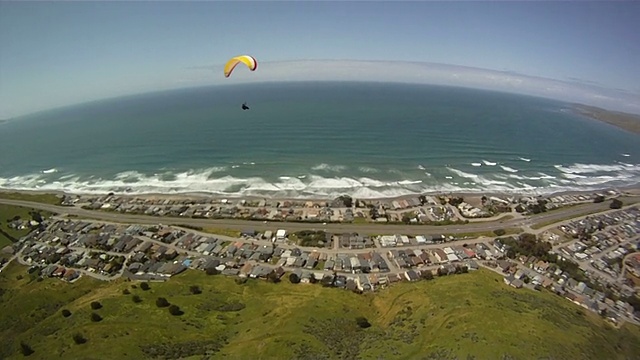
column 236, row 224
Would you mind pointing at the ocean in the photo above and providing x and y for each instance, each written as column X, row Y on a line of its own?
column 316, row 139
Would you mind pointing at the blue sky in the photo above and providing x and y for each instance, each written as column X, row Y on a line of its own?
column 59, row 53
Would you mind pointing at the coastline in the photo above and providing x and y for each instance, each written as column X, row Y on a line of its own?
column 625, row 121
column 475, row 196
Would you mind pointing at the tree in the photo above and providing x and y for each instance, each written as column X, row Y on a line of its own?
column 615, row 204
column 95, row 317
column 25, row 349
column 175, row 310
column 294, row 279
column 273, row 277
column 136, row 299
column 66, row 313
column 598, row 199
column 126, row 292
column 427, row 275
column 79, row 339
column 346, row 200
column 195, row 289
column 499, row 232
column 95, row 305
column 363, row 322
column 162, row 302
column 145, row 286
column 312, row 278
column 212, row 271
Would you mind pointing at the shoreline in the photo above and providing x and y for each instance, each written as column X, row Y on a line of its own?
column 632, row 189
column 625, row 121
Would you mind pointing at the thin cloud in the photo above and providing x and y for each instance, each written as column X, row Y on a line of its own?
column 432, row 73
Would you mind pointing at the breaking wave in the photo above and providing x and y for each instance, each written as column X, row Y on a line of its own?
column 215, row 181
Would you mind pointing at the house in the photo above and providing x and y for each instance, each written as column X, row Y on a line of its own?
column 281, row 234
column 411, row 275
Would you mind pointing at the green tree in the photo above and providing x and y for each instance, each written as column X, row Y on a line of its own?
column 162, row 302
column 95, row 305
column 294, row 279
column 212, row 271
column 195, row 289
column 499, row 232
column 145, row 286
column 273, row 277
column 95, row 317
column 363, row 322
column 427, row 275
column 25, row 349
column 66, row 313
column 175, row 310
column 79, row 339
column 615, row 204
column 136, row 299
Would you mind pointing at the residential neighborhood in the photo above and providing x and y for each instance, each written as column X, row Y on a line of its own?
column 417, row 209
column 598, row 245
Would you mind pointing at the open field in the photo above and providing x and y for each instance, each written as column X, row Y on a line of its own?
column 222, row 231
column 8, row 212
column 45, row 198
column 470, row 314
column 491, row 234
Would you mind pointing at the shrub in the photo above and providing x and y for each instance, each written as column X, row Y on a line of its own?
column 95, row 305
column 25, row 349
column 615, row 204
column 95, row 317
column 79, row 339
column 66, row 313
column 175, row 310
column 499, row 232
column 162, row 302
column 195, row 289
column 126, row 292
column 145, row 286
column 212, row 271
column 136, row 299
column 294, row 279
column 363, row 322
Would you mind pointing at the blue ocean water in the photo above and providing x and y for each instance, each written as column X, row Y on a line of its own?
column 316, row 139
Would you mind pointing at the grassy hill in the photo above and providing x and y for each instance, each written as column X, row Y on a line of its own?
column 463, row 316
column 7, row 213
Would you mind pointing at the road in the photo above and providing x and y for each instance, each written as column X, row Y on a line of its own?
column 234, row 224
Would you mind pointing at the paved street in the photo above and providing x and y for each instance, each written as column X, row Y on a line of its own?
column 558, row 214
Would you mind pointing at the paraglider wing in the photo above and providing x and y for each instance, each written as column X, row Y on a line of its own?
column 250, row 61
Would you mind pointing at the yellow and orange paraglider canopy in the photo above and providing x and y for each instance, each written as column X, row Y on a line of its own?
column 248, row 60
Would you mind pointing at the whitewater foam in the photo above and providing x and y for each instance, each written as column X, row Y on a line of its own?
column 508, row 169
column 476, row 164
column 50, row 171
column 569, row 177
column 524, row 159
column 329, row 168
column 366, row 169
column 489, row 163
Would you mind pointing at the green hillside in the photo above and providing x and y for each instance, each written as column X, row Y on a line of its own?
column 462, row 316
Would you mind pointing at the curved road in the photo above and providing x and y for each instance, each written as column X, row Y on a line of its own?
column 558, row 215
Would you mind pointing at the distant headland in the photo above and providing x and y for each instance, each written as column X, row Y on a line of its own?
column 625, row 121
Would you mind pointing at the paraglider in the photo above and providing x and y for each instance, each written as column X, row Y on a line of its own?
column 248, row 60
